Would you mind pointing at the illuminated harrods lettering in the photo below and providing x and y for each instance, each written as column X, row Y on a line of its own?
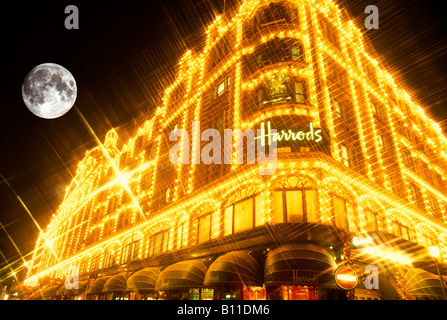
column 214, row 146
column 289, row 135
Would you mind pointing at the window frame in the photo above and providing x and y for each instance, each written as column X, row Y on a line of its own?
column 255, row 219
column 345, row 152
column 222, row 86
column 199, row 221
column 338, row 109
column 304, row 203
column 163, row 245
column 294, row 49
column 302, row 94
column 129, row 249
column 409, row 232
column 346, row 204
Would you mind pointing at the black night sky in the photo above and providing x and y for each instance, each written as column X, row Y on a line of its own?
column 122, row 57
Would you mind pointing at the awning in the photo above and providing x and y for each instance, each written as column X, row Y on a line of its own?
column 143, row 280
column 97, row 287
column 184, row 274
column 304, row 263
column 422, row 284
column 116, row 283
column 234, row 268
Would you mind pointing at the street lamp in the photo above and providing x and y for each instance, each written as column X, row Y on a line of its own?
column 434, row 252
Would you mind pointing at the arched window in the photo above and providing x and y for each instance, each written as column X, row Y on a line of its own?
column 340, row 210
column 109, row 258
column 202, row 228
column 373, row 217
column 130, row 249
column 158, row 243
column 244, row 210
column 295, row 200
column 204, row 224
column 401, row 230
column 182, row 234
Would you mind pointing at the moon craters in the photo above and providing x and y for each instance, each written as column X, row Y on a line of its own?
column 49, row 90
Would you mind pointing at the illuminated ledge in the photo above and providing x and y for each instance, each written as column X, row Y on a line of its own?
column 320, row 166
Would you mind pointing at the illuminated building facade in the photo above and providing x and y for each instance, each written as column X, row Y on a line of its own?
column 370, row 190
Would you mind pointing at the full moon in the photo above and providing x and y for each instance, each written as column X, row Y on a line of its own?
column 49, row 90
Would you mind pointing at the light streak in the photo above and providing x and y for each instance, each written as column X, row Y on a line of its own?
column 27, row 211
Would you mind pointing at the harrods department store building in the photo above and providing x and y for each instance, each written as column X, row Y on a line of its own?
column 360, row 177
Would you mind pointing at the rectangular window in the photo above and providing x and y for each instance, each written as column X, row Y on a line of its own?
column 164, row 247
column 340, row 216
column 296, row 53
column 381, row 141
column 405, row 233
column 150, row 251
column 109, row 259
column 228, row 82
column 338, row 110
column 182, row 235
column 135, row 250
column 243, row 215
column 260, row 97
column 220, row 88
column 158, row 243
column 204, row 228
column 344, row 155
column 215, row 224
column 294, row 204
column 408, row 159
column 299, row 92
column 311, row 206
column 396, row 229
column 259, row 60
column 278, row 215
column 417, row 196
column 228, row 220
column 353, row 221
column 130, row 252
column 124, row 256
column 371, row 219
column 168, row 195
column 260, row 210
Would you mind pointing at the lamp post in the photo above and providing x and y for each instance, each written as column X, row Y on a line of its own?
column 434, row 252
